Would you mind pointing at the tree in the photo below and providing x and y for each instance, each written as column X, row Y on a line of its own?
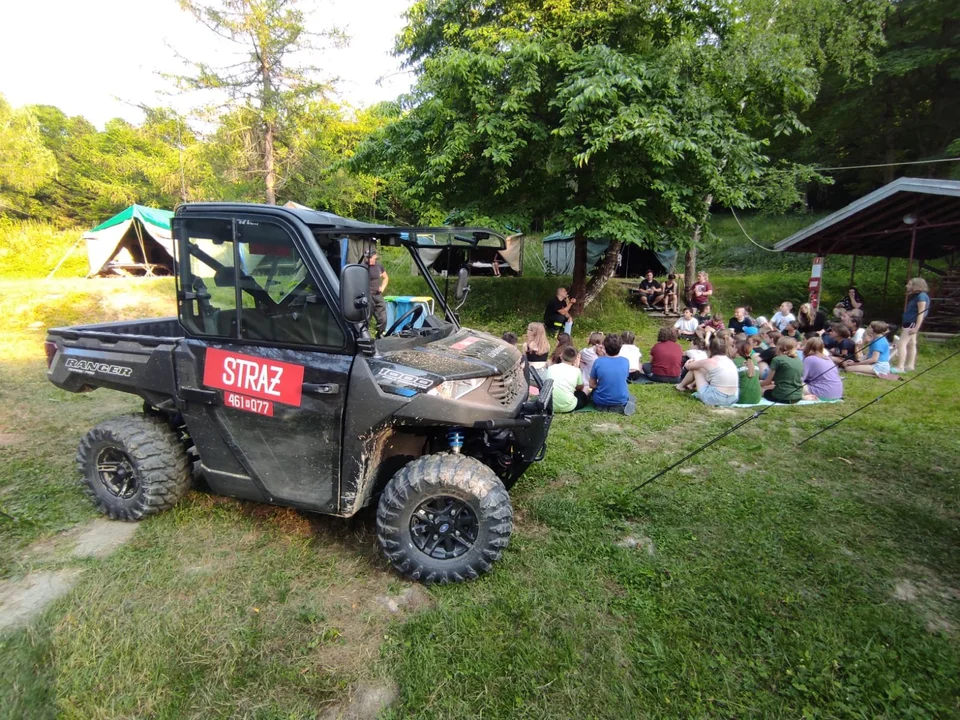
column 266, row 91
column 25, row 164
column 100, row 172
column 609, row 118
column 908, row 110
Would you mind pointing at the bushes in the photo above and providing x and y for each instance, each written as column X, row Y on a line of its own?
column 30, row 249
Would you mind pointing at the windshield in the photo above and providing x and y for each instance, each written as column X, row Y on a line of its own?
column 441, row 251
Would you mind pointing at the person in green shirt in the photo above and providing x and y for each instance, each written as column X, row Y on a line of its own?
column 749, row 374
column 568, row 393
column 784, row 384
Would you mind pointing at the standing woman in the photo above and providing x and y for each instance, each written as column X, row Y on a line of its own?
column 918, row 302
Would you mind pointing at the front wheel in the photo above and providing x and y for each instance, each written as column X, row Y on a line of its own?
column 444, row 518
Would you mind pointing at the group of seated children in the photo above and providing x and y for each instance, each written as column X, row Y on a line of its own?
column 785, row 359
column 598, row 374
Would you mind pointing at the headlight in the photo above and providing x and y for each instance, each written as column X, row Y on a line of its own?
column 455, row 389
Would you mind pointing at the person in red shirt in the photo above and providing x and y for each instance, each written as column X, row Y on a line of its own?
column 666, row 358
column 702, row 290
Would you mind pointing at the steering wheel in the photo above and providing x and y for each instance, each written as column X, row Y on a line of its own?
column 416, row 310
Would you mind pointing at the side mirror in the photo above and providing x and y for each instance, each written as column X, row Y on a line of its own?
column 463, row 284
column 355, row 294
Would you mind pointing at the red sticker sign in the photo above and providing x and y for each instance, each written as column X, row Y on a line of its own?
column 254, row 377
column 248, row 404
column 464, row 344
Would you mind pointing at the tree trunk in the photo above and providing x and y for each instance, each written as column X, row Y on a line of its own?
column 270, row 173
column 690, row 266
column 579, row 288
column 690, row 262
column 599, row 279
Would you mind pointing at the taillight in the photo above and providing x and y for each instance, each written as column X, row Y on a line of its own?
column 50, row 348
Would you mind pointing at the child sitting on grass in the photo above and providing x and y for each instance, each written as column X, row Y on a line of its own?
column 608, row 378
column 876, row 351
column 750, row 393
column 563, row 340
column 632, row 353
column 536, row 348
column 686, row 326
column 666, row 358
column 591, row 352
column 820, row 374
column 716, row 377
column 568, row 393
column 785, row 382
column 783, row 316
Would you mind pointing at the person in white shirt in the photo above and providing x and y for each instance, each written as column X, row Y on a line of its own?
column 687, row 325
column 783, row 316
column 632, row 353
column 591, row 352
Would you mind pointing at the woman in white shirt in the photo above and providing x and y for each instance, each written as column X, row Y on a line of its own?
column 716, row 378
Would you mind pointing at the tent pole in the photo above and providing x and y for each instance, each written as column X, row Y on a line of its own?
column 853, row 270
column 143, row 249
column 64, row 258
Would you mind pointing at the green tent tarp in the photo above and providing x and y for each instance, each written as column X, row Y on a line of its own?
column 558, row 253
column 136, row 241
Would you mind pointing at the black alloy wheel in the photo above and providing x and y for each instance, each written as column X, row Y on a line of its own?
column 443, row 527
column 116, row 473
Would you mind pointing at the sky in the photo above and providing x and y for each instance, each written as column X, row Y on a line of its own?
column 102, row 58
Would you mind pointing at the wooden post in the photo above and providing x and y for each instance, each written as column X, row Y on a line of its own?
column 853, row 270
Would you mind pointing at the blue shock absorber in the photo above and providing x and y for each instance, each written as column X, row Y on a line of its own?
column 455, row 438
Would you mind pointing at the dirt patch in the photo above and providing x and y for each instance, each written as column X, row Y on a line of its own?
column 411, row 599
column 26, row 598
column 934, row 600
column 366, row 702
column 638, row 542
column 906, row 591
column 101, row 538
column 95, row 539
column 11, row 439
column 606, row 428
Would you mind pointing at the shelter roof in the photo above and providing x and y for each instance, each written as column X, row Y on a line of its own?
column 882, row 223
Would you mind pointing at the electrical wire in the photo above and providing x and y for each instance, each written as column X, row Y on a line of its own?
column 757, row 414
column 878, row 398
column 747, row 236
column 883, row 165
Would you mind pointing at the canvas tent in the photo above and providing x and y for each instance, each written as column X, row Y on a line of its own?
column 136, row 241
column 634, row 261
column 479, row 259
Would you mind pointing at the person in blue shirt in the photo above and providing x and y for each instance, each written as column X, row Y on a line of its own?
column 876, row 351
column 918, row 304
column 608, row 378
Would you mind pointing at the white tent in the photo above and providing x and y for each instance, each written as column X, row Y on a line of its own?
column 137, row 241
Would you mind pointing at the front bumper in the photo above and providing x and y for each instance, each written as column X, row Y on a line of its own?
column 529, row 428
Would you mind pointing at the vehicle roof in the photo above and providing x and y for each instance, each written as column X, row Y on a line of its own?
column 327, row 222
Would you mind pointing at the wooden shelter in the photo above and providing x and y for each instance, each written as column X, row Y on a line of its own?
column 913, row 218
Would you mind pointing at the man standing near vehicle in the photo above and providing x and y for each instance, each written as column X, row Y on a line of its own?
column 378, row 283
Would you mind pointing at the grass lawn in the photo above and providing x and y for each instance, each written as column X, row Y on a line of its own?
column 757, row 580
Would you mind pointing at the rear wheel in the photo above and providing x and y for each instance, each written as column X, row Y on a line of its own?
column 444, row 518
column 133, row 466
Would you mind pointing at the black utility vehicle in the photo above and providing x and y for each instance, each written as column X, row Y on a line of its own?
column 269, row 385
